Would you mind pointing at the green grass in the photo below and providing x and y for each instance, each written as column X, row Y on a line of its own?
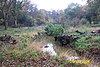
column 22, row 54
column 1, row 56
column 20, row 50
column 12, row 31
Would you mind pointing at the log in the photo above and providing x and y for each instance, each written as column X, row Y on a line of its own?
column 8, row 39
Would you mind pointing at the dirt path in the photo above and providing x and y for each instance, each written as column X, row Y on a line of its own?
column 94, row 28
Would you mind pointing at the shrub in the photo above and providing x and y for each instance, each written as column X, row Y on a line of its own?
column 54, row 30
column 83, row 21
column 85, row 42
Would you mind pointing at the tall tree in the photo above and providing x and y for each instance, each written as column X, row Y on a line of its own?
column 93, row 13
column 5, row 9
column 73, row 10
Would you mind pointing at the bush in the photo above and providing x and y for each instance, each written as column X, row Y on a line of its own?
column 54, row 30
column 85, row 42
column 83, row 21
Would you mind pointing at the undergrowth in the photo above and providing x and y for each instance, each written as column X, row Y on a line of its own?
column 85, row 42
column 20, row 53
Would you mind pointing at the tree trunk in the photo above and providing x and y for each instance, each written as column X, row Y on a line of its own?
column 5, row 20
column 6, row 25
column 15, row 21
column 90, row 21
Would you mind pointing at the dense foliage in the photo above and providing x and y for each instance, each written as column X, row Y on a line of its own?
column 19, row 13
column 86, row 42
column 54, row 30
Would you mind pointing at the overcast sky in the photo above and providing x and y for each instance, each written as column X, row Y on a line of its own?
column 55, row 4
